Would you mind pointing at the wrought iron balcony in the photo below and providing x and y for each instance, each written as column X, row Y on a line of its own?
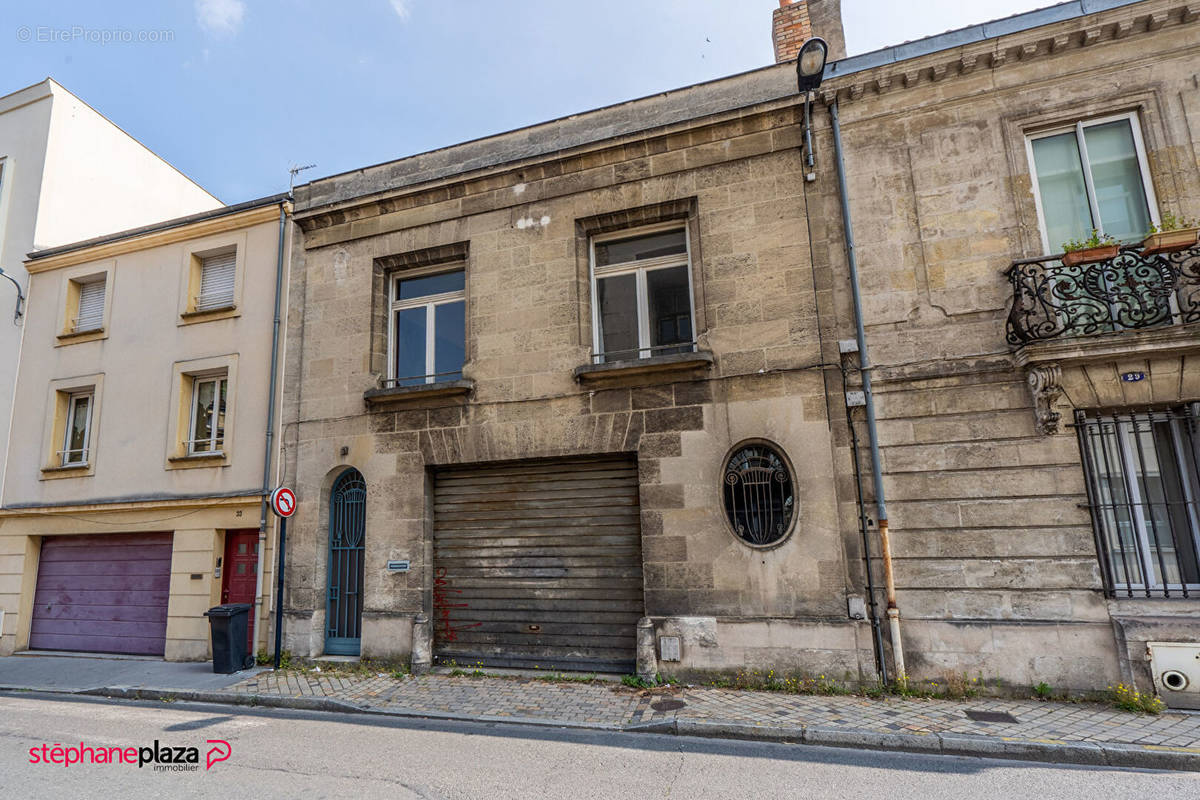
column 1127, row 291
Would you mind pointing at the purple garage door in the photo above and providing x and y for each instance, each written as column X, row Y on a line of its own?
column 103, row 594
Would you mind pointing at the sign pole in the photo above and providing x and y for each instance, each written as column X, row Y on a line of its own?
column 282, row 544
column 283, row 504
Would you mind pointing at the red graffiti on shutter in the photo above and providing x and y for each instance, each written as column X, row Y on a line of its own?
column 443, row 608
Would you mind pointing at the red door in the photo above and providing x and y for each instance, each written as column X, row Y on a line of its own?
column 241, row 572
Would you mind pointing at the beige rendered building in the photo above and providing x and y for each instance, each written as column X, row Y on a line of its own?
column 590, row 394
column 67, row 174
column 133, row 500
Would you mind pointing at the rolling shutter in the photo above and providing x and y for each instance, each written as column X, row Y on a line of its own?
column 91, row 306
column 216, row 281
column 539, row 564
column 103, row 594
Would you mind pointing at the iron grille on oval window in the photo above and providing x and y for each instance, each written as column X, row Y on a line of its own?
column 758, row 494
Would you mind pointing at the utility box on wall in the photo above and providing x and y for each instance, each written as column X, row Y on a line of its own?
column 1176, row 670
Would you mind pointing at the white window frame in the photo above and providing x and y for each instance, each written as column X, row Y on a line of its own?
column 639, row 268
column 64, row 454
column 1093, row 205
column 429, row 302
column 216, row 443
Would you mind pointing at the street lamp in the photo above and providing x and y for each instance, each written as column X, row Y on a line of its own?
column 810, row 69
column 20, row 297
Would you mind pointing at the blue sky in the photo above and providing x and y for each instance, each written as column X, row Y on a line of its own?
column 233, row 92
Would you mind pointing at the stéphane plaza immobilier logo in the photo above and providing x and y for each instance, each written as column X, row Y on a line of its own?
column 160, row 757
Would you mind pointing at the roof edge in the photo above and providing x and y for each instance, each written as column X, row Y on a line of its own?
column 178, row 222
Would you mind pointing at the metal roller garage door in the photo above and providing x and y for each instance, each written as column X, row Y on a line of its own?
column 103, row 594
column 538, row 564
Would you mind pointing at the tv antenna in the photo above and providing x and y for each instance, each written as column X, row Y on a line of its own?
column 294, row 171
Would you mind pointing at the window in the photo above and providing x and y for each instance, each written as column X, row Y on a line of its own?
column 641, row 295
column 1092, row 175
column 89, row 313
column 757, row 492
column 427, row 339
column 1143, row 494
column 78, row 430
column 217, row 273
column 207, row 428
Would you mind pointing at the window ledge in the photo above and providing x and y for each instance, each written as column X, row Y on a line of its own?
column 67, row 469
column 217, row 456
column 416, row 394
column 82, row 336
column 676, row 362
column 220, row 312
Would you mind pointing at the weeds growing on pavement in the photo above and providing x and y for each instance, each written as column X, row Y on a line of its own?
column 1042, row 691
column 638, row 682
column 559, row 677
column 1128, row 698
column 954, row 687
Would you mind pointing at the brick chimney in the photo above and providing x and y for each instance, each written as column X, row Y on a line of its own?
column 796, row 21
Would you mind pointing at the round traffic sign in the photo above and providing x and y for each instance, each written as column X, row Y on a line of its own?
column 283, row 502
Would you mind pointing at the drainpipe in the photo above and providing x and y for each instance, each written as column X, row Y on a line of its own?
column 872, row 604
column 885, row 545
column 268, row 451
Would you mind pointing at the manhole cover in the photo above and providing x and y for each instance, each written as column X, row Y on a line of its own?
column 668, row 705
column 992, row 716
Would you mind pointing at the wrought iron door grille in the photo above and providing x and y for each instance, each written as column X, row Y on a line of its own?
column 347, row 528
column 1142, row 473
column 759, row 501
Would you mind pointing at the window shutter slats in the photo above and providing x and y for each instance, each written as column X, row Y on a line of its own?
column 91, row 306
column 216, row 281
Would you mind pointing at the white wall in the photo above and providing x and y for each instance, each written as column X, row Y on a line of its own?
column 100, row 180
column 70, row 174
column 24, row 128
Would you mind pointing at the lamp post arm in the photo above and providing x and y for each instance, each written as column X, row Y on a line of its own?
column 20, row 310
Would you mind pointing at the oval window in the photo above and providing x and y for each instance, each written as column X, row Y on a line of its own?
column 758, row 494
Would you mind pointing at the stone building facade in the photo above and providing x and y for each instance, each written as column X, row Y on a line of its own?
column 434, row 486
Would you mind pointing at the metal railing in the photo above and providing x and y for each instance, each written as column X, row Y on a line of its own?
column 67, row 458
column 213, row 301
column 1143, row 487
column 205, row 447
column 421, row 380
column 635, row 353
column 86, row 326
column 1128, row 291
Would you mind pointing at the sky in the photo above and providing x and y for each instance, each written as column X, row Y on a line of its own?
column 235, row 92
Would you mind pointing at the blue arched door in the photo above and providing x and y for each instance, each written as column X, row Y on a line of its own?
column 347, row 529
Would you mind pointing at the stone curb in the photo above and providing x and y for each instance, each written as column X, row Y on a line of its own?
column 1083, row 753
column 325, row 704
column 950, row 744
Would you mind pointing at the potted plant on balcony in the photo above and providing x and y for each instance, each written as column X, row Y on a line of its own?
column 1171, row 234
column 1097, row 247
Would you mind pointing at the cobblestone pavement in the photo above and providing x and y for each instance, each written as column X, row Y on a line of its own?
column 613, row 705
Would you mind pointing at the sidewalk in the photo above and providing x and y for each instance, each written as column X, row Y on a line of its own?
column 1079, row 733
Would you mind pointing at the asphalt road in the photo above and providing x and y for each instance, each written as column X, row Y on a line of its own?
column 311, row 755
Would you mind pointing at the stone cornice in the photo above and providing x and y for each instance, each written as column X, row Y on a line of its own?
column 1017, row 48
column 944, row 65
column 126, row 506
